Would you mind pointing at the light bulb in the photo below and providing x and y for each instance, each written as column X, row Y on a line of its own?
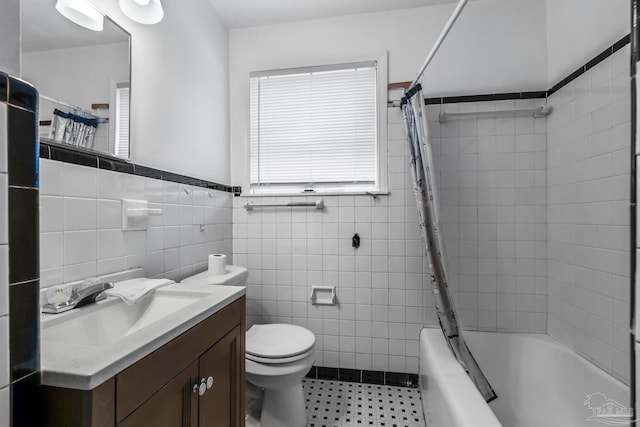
column 143, row 11
column 82, row 13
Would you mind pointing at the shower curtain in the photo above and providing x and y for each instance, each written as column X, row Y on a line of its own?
column 424, row 187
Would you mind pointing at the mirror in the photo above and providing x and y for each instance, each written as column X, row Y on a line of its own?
column 83, row 78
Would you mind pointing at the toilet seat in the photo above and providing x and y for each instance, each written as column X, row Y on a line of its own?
column 278, row 343
column 277, row 360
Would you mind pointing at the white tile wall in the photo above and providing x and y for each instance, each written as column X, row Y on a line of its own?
column 380, row 285
column 81, row 225
column 495, row 236
column 492, row 181
column 588, row 223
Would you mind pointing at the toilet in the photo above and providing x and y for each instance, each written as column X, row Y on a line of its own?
column 277, row 358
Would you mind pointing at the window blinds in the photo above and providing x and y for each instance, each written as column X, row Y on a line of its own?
column 314, row 125
column 122, row 121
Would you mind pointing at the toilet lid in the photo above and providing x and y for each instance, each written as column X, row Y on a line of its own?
column 278, row 340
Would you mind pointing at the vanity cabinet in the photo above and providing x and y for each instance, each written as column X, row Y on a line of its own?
column 195, row 380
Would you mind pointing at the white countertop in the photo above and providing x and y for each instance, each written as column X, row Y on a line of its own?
column 86, row 366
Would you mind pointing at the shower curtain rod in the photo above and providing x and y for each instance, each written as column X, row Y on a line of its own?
column 441, row 37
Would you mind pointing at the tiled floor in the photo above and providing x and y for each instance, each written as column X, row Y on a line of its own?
column 342, row 404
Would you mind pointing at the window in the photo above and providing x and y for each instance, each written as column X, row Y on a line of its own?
column 317, row 128
column 122, row 120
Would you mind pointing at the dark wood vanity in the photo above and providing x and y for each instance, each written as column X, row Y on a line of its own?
column 165, row 388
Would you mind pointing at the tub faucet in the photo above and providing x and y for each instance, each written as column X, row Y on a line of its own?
column 81, row 294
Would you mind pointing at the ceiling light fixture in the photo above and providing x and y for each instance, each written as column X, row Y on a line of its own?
column 143, row 11
column 81, row 12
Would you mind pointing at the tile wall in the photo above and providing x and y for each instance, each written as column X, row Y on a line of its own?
column 492, row 182
column 380, row 286
column 81, row 224
column 588, row 215
column 492, row 185
column 19, row 273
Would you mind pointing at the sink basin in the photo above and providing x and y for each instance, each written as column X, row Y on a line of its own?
column 83, row 347
column 108, row 322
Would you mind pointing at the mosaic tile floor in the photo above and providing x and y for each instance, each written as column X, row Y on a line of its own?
column 342, row 404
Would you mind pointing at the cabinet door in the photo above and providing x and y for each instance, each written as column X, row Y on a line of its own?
column 174, row 405
column 221, row 405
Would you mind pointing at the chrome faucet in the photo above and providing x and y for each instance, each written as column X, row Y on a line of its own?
column 82, row 294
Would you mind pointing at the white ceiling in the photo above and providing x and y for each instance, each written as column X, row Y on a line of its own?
column 43, row 28
column 250, row 13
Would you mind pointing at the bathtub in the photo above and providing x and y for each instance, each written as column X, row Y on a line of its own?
column 538, row 382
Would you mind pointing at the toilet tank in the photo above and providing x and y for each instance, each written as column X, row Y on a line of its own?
column 235, row 276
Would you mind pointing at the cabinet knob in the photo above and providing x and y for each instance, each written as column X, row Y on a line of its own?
column 200, row 388
column 209, row 382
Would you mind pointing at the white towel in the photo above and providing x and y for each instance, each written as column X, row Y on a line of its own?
column 131, row 291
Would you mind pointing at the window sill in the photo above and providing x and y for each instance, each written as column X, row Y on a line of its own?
column 319, row 194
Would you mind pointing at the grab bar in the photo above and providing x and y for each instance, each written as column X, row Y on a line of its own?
column 318, row 204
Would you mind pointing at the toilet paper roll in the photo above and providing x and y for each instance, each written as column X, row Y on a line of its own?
column 217, row 264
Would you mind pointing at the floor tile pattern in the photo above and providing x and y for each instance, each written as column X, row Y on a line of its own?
column 343, row 404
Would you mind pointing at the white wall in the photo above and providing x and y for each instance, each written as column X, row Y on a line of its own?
column 10, row 37
column 504, row 32
column 80, row 76
column 588, row 215
column 577, row 30
column 179, row 90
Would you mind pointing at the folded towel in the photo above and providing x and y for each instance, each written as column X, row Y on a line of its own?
column 131, row 291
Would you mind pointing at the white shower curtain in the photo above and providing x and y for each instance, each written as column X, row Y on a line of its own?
column 424, row 186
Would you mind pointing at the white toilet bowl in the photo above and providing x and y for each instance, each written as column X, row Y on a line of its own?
column 278, row 357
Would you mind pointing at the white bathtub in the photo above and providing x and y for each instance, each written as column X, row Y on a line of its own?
column 538, row 382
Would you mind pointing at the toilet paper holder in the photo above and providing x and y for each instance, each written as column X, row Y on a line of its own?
column 323, row 295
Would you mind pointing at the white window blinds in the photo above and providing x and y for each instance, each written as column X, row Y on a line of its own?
column 122, row 120
column 314, row 126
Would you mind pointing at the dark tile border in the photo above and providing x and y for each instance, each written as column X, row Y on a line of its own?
column 394, row 379
column 24, row 334
column 115, row 165
column 485, row 97
column 23, row 95
column 373, row 377
column 22, row 212
column 534, row 94
column 25, row 400
column 323, row 373
column 71, row 155
column 4, row 87
column 18, row 93
column 592, row 63
column 24, row 234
